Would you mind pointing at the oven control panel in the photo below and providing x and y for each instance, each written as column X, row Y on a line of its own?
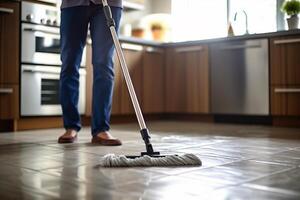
column 40, row 14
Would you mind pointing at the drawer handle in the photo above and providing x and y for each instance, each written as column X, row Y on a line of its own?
column 234, row 47
column 6, row 10
column 188, row 49
column 287, row 90
column 6, row 90
column 287, row 41
column 154, row 50
column 132, row 47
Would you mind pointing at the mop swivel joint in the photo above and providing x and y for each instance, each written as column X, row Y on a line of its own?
column 149, row 148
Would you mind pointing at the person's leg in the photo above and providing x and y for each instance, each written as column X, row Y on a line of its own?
column 102, row 58
column 73, row 29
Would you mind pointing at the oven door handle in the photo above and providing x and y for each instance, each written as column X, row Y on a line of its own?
column 45, row 71
column 40, row 71
column 42, row 31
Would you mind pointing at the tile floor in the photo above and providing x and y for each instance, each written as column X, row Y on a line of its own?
column 239, row 162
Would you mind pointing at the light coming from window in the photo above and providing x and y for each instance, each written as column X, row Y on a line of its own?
column 261, row 15
column 198, row 19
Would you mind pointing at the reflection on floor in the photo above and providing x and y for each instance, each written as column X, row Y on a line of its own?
column 239, row 162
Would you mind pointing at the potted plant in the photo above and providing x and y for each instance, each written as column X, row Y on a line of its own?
column 157, row 31
column 292, row 9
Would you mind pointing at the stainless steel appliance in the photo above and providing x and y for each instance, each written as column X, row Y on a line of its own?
column 40, row 90
column 40, row 14
column 40, row 35
column 40, row 62
column 49, row 1
column 240, row 77
column 40, row 44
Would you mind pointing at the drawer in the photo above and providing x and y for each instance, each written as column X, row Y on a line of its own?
column 285, row 101
column 285, row 60
column 9, row 101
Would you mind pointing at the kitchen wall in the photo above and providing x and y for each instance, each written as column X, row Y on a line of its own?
column 159, row 6
column 151, row 7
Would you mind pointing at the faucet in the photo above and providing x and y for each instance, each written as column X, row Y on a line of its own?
column 247, row 31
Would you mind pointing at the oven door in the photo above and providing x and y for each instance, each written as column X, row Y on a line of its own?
column 40, row 91
column 41, row 45
column 49, row 1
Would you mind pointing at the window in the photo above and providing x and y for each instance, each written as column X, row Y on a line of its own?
column 261, row 15
column 202, row 19
column 198, row 19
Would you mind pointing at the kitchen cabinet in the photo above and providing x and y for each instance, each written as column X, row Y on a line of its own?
column 9, row 42
column 285, row 76
column 134, row 58
column 9, row 101
column 89, row 80
column 187, row 80
column 285, row 60
column 9, row 60
column 153, row 93
column 116, row 104
column 121, row 99
column 285, row 101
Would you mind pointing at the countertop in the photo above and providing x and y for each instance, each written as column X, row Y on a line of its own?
column 205, row 41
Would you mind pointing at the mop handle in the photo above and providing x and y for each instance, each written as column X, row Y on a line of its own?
column 135, row 103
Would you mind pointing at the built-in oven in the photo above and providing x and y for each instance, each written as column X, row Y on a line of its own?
column 40, row 90
column 49, row 1
column 41, row 45
column 40, row 62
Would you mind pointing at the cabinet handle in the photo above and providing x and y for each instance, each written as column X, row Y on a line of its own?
column 6, row 10
column 234, row 47
column 287, row 90
column 132, row 47
column 287, row 41
column 154, row 50
column 6, row 90
column 188, row 49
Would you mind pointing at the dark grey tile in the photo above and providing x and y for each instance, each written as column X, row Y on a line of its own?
column 240, row 192
column 284, row 182
column 253, row 168
column 291, row 157
column 239, row 162
column 235, row 173
column 172, row 186
column 207, row 151
column 110, row 178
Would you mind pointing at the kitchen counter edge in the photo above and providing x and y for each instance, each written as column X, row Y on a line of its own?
column 205, row 41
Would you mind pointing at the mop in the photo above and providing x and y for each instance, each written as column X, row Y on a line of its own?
column 150, row 157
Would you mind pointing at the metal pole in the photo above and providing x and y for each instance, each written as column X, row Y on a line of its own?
column 128, row 81
column 126, row 74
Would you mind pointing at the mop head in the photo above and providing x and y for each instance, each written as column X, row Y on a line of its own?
column 112, row 160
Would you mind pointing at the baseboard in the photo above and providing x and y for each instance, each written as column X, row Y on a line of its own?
column 243, row 119
column 31, row 123
column 189, row 117
column 7, row 125
column 286, row 121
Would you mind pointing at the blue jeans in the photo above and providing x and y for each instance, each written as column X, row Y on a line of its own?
column 74, row 26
